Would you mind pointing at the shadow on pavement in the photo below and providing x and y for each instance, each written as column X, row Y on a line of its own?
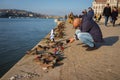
column 108, row 41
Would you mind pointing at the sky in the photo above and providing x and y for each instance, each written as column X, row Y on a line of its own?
column 49, row 7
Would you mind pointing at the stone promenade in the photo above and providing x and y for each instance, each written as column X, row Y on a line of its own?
column 79, row 64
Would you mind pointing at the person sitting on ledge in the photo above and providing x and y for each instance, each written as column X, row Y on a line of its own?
column 88, row 33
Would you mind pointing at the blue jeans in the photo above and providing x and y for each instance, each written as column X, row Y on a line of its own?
column 106, row 20
column 85, row 38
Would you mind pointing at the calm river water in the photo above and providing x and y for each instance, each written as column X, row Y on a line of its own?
column 19, row 35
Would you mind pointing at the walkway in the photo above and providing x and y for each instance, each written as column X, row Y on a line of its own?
column 79, row 64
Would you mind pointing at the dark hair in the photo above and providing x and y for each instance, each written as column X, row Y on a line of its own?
column 115, row 7
column 89, row 8
column 108, row 4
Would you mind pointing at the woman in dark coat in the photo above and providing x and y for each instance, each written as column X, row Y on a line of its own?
column 114, row 15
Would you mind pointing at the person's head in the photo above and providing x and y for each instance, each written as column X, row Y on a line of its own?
column 84, row 11
column 115, row 8
column 89, row 9
column 77, row 22
column 107, row 5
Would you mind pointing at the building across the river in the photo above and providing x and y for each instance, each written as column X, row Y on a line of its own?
column 98, row 5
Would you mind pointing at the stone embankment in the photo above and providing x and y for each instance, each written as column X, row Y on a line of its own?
column 77, row 64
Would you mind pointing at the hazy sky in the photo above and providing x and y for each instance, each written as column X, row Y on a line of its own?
column 52, row 7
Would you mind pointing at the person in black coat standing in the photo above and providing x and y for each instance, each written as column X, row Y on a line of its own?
column 114, row 15
column 107, row 13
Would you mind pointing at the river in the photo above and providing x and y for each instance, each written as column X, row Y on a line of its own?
column 19, row 35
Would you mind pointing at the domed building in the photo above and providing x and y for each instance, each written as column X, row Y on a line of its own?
column 98, row 5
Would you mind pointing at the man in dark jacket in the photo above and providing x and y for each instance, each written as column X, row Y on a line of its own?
column 89, row 31
column 107, row 13
column 90, row 26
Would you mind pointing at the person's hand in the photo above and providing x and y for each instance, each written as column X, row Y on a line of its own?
column 72, row 40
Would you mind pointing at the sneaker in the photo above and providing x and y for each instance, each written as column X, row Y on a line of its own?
column 91, row 48
column 85, row 46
